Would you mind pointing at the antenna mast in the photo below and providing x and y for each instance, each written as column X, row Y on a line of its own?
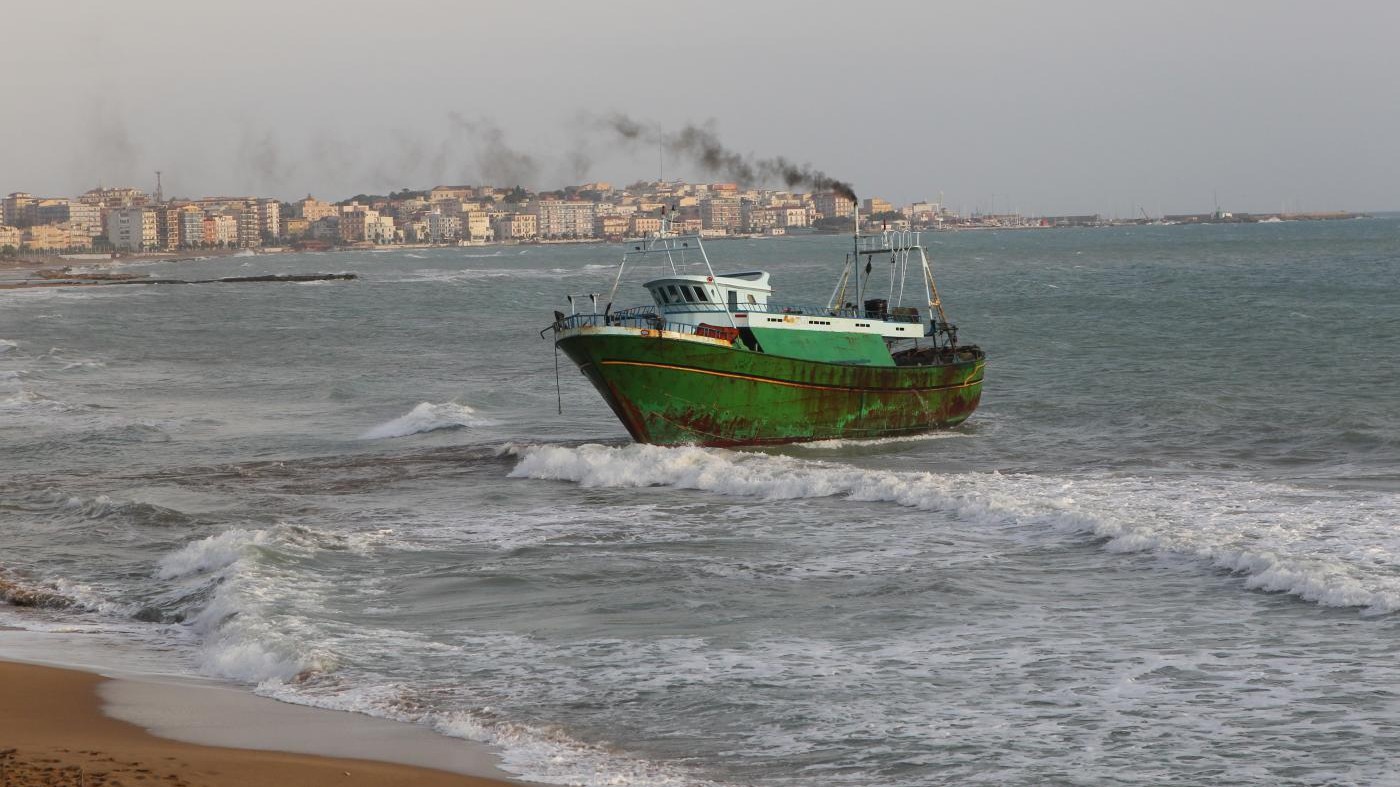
column 855, row 250
column 160, row 196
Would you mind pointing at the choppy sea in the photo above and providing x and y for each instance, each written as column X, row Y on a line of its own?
column 1166, row 549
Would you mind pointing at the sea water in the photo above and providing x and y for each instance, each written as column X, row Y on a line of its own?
column 1164, row 550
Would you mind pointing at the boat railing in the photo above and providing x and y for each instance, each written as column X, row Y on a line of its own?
column 644, row 317
column 891, row 314
column 647, row 317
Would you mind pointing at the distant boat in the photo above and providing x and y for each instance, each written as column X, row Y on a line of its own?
column 714, row 361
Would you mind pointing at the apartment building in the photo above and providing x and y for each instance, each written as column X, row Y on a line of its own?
column 610, row 227
column 221, row 229
column 442, row 228
column 132, row 228
column 269, row 218
column 54, row 238
column 313, row 209
column 85, row 219
column 355, row 221
column 795, row 217
column 21, row 209
column 874, row 205
column 642, row 226
column 517, row 226
column 832, row 205
column 564, row 218
column 118, row 197
column 721, row 213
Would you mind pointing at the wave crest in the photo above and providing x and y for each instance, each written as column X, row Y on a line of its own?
column 426, row 417
column 243, row 593
column 1319, row 546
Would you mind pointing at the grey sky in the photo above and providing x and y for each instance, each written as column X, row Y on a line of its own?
column 1039, row 107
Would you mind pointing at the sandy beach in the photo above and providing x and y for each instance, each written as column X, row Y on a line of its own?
column 53, row 731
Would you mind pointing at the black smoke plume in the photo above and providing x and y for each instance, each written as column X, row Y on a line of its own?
column 701, row 145
column 497, row 161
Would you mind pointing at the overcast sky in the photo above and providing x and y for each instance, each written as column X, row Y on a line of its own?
column 1042, row 107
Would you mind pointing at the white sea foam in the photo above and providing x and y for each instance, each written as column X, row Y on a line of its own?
column 427, row 417
column 210, row 554
column 539, row 755
column 92, row 599
column 245, row 634
column 26, row 401
column 1324, row 548
column 552, row 758
column 878, row 441
column 245, row 626
column 6, row 345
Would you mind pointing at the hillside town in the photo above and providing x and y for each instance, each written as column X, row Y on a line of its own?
column 126, row 220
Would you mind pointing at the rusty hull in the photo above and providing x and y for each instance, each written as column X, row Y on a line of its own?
column 678, row 392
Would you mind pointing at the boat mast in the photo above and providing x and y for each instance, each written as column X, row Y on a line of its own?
column 855, row 248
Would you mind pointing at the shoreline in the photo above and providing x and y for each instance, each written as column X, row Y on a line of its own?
column 62, row 724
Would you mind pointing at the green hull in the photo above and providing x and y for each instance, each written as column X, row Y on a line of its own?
column 677, row 392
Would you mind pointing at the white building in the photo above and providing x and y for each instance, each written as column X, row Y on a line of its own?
column 443, row 228
column 131, row 229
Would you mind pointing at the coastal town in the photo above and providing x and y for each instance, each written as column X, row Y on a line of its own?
column 107, row 221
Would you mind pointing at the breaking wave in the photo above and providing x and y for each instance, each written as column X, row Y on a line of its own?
column 238, row 592
column 1333, row 549
column 426, row 417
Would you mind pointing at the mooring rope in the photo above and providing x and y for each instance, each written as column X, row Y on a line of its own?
column 558, row 391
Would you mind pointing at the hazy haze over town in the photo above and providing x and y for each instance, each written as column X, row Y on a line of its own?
column 1034, row 107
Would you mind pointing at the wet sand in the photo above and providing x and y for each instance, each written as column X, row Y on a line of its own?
column 53, row 732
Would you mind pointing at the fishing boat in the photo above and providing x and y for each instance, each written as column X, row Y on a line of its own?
column 716, row 360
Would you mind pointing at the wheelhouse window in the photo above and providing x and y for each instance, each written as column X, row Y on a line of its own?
column 700, row 294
